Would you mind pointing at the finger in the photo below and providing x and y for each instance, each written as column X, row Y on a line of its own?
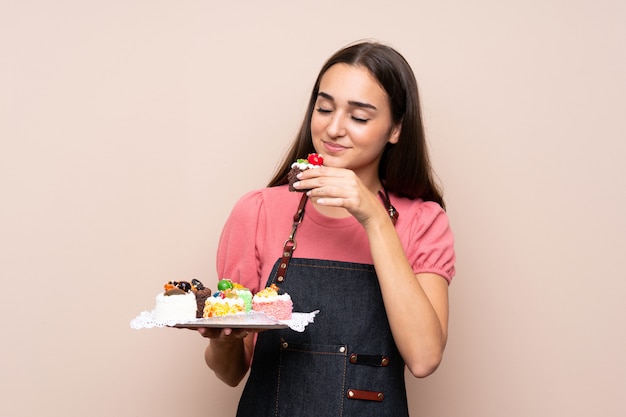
column 334, row 202
column 320, row 191
column 310, row 173
column 209, row 333
column 323, row 172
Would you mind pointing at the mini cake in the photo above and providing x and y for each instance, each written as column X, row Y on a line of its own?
column 314, row 160
column 202, row 294
column 232, row 298
column 245, row 294
column 223, row 303
column 273, row 304
column 175, row 305
column 175, row 302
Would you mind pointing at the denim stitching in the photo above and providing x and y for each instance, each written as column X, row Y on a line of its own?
column 343, row 382
column 280, row 365
column 335, row 267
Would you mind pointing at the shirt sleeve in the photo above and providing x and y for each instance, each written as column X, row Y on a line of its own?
column 433, row 242
column 238, row 251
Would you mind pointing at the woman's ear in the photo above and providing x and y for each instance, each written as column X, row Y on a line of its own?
column 394, row 133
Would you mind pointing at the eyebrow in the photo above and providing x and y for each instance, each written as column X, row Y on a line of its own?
column 351, row 102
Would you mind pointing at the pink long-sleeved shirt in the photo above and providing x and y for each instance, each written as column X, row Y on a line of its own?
column 255, row 232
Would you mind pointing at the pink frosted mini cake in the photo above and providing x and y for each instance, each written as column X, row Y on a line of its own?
column 273, row 304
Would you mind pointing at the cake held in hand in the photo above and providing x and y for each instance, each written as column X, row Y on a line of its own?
column 314, row 160
column 273, row 304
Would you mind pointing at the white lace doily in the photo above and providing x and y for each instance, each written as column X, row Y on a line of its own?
column 299, row 321
column 146, row 320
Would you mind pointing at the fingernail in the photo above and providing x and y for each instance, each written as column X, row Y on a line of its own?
column 296, row 184
column 299, row 175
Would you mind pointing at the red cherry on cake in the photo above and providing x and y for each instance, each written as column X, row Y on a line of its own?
column 315, row 159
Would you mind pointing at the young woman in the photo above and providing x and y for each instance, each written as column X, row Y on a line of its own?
column 374, row 253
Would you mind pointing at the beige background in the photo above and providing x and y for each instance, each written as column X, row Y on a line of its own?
column 123, row 128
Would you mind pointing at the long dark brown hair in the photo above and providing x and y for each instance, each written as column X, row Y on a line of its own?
column 405, row 167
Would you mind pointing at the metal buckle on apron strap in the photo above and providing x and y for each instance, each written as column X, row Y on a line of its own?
column 360, row 394
column 371, row 360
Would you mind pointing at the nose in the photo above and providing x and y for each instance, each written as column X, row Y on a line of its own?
column 336, row 128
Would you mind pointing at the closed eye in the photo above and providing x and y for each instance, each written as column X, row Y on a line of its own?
column 321, row 110
column 359, row 119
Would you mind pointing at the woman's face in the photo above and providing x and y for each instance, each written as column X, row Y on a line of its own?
column 351, row 121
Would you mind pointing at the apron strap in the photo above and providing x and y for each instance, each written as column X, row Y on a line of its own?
column 290, row 243
column 393, row 213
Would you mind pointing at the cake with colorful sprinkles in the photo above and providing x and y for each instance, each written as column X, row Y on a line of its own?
column 223, row 303
column 245, row 294
column 273, row 303
column 314, row 160
column 231, row 298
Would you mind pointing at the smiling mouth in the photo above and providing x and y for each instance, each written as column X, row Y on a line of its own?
column 333, row 147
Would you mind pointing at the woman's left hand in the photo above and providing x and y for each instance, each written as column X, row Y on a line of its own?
column 340, row 187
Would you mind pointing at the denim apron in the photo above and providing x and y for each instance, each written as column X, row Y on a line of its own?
column 344, row 364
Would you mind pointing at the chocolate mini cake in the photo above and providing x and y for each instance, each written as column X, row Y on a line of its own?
column 202, row 294
column 312, row 161
column 292, row 177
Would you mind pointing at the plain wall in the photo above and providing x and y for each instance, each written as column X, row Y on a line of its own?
column 128, row 129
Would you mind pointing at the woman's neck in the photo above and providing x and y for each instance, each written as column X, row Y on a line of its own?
column 334, row 212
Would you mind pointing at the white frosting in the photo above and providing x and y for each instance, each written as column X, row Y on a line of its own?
column 179, row 307
column 271, row 299
column 305, row 165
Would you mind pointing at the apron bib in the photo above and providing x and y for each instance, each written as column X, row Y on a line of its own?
column 344, row 364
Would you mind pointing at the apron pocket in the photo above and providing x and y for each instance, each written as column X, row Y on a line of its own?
column 311, row 374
